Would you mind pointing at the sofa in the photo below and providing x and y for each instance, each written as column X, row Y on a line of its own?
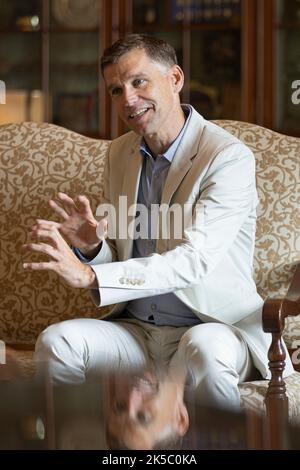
column 38, row 160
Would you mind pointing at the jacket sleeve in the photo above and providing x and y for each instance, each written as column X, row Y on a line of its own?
column 108, row 252
column 227, row 197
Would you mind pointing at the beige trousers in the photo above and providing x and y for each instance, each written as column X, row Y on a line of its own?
column 215, row 355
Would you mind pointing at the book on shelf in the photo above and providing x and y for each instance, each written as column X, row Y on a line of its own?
column 205, row 11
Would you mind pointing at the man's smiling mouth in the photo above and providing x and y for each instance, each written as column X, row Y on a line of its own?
column 139, row 113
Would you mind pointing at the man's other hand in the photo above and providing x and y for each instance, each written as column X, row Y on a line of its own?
column 78, row 226
column 48, row 241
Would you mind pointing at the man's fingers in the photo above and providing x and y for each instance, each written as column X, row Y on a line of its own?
column 44, row 266
column 84, row 206
column 48, row 234
column 46, row 223
column 58, row 210
column 68, row 202
column 44, row 231
column 101, row 229
column 43, row 248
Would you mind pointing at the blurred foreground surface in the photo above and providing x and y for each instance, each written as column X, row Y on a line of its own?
column 121, row 411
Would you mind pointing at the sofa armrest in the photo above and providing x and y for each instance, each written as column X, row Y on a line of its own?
column 276, row 310
column 274, row 313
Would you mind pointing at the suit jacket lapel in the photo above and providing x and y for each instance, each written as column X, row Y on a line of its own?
column 182, row 161
column 181, row 164
column 130, row 189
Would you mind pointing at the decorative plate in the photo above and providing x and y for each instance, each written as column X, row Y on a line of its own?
column 76, row 13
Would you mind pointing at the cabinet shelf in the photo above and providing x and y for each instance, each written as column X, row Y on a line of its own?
column 21, row 65
column 48, row 30
column 287, row 25
column 11, row 31
column 71, row 67
column 188, row 27
column 229, row 72
column 69, row 30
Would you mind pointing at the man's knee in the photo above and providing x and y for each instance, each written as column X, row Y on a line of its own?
column 210, row 357
column 55, row 338
column 60, row 354
column 210, row 345
column 200, row 340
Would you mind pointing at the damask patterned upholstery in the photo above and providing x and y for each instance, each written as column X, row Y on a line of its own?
column 253, row 394
column 38, row 160
column 278, row 236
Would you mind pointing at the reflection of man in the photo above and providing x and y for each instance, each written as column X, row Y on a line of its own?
column 146, row 410
column 194, row 295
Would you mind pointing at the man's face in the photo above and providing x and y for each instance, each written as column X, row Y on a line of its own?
column 141, row 411
column 145, row 92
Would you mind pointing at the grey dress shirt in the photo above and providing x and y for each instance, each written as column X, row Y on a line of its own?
column 164, row 309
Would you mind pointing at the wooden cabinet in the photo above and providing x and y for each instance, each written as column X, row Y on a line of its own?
column 214, row 41
column 240, row 58
column 49, row 61
column 277, row 65
column 286, row 32
column 207, row 39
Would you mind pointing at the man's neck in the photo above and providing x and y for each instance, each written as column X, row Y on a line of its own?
column 160, row 142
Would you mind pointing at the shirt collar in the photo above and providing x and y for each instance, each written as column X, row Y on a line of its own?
column 170, row 152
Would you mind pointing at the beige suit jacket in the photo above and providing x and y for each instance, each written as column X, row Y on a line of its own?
column 210, row 266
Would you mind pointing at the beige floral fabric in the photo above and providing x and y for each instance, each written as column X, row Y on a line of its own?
column 253, row 394
column 37, row 161
column 278, row 235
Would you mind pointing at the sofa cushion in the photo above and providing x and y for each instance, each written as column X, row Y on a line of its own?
column 277, row 247
column 253, row 394
column 37, row 161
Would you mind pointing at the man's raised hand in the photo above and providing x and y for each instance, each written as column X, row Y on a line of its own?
column 48, row 241
column 78, row 225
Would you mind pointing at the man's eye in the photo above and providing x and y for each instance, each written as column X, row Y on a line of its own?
column 138, row 82
column 143, row 417
column 119, row 407
column 116, row 91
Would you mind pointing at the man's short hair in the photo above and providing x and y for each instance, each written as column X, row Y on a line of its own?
column 156, row 49
column 173, row 441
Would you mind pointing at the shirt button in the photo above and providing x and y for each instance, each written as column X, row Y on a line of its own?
column 153, row 306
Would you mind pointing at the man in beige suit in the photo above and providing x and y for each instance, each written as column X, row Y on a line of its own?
column 187, row 299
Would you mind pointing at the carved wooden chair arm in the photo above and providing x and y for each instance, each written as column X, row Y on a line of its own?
column 274, row 313
column 276, row 310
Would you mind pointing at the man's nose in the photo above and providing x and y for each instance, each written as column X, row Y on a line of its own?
column 130, row 96
column 135, row 401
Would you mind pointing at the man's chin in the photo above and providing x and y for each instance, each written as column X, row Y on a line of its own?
column 141, row 128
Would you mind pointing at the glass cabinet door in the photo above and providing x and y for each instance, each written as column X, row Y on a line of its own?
column 206, row 35
column 215, row 78
column 287, row 92
column 49, row 62
column 74, row 64
column 73, row 86
column 21, row 60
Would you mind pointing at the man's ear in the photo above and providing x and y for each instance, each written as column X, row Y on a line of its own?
column 181, row 419
column 177, row 78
